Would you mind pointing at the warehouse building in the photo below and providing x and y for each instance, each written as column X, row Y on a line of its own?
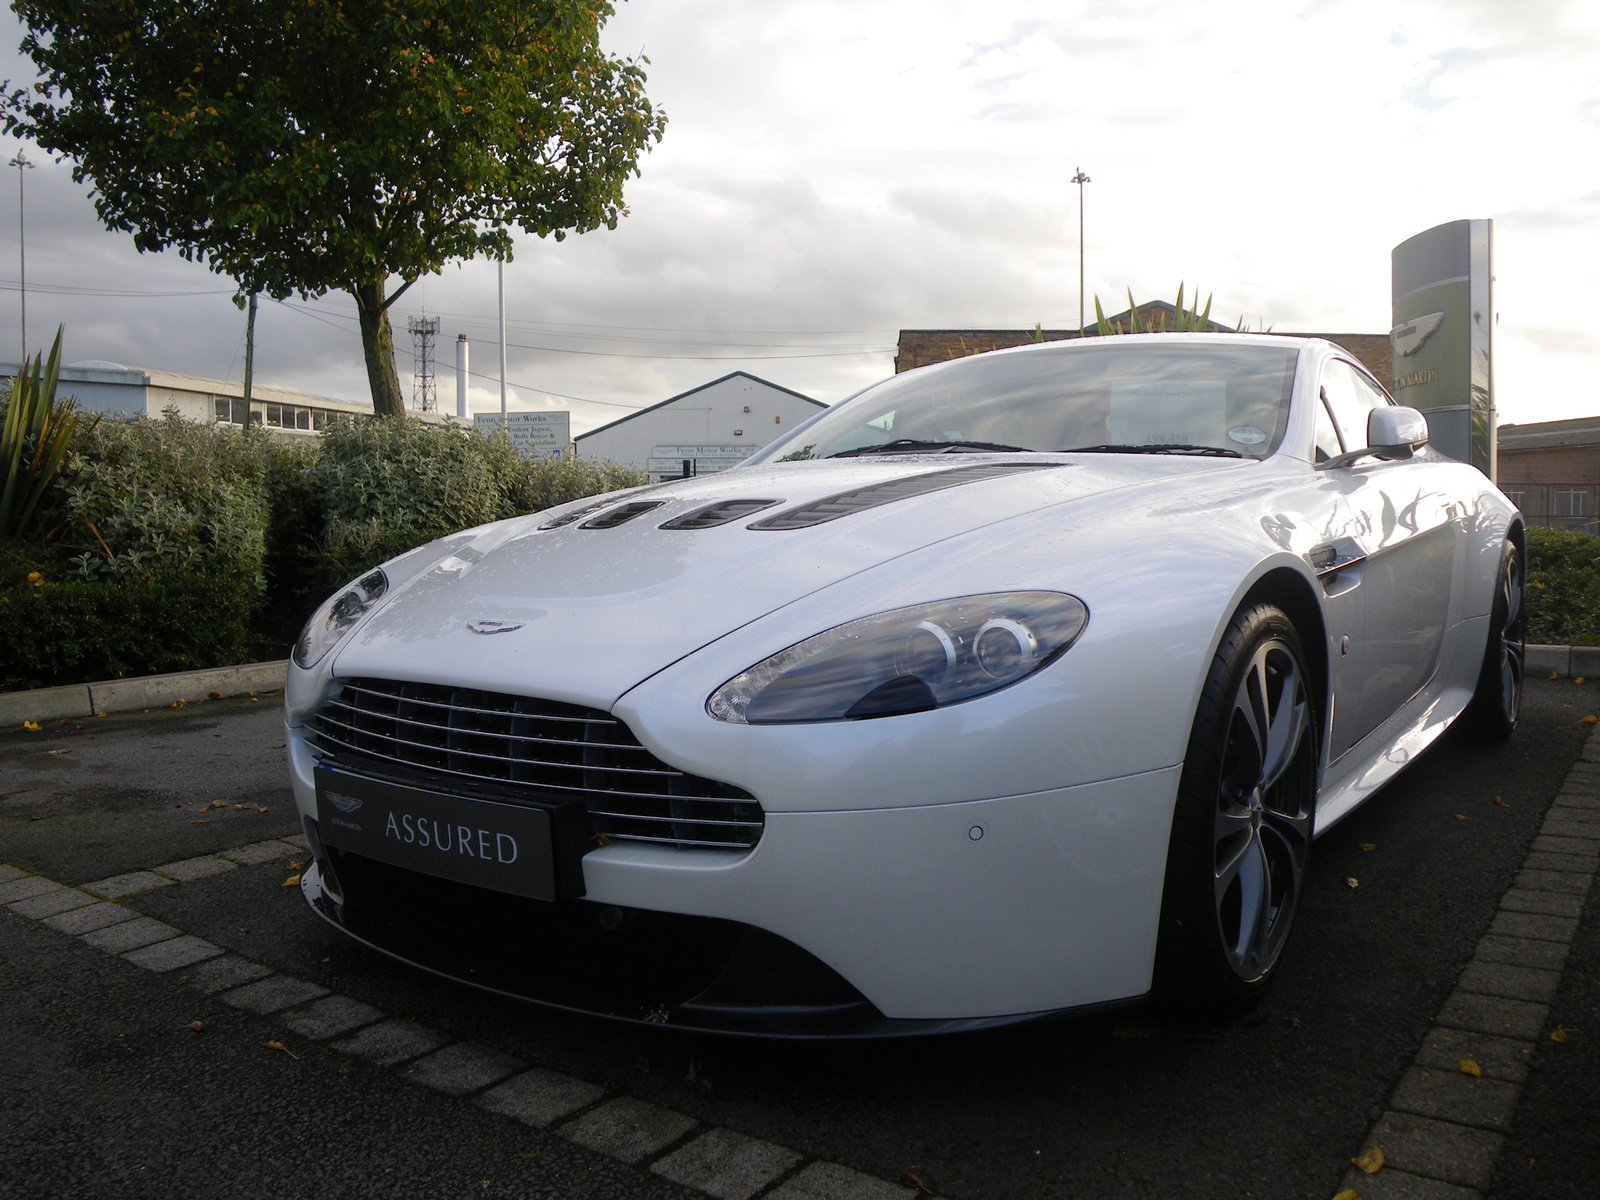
column 707, row 429
column 114, row 390
column 1551, row 471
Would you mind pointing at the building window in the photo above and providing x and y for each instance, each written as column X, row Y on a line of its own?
column 1515, row 496
column 319, row 420
column 1569, row 502
column 275, row 416
column 302, row 418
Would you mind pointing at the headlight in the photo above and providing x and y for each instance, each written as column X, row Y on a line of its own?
column 337, row 617
column 907, row 660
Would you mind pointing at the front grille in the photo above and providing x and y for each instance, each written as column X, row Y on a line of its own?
column 470, row 735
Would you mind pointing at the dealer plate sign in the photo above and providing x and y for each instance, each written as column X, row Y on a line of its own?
column 504, row 847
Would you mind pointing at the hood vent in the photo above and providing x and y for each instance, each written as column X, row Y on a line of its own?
column 621, row 514
column 586, row 510
column 720, row 513
column 844, row 504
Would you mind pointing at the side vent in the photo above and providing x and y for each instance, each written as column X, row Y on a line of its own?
column 720, row 513
column 622, row 514
column 844, row 504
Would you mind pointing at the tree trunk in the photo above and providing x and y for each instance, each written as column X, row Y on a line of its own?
column 377, row 341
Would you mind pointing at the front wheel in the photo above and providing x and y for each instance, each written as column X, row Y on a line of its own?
column 1495, row 705
column 1241, row 830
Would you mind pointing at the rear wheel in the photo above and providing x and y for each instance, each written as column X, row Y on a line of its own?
column 1492, row 713
column 1241, row 831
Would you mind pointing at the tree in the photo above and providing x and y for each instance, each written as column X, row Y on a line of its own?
column 303, row 146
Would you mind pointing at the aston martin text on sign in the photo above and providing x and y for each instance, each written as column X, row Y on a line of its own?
column 503, row 847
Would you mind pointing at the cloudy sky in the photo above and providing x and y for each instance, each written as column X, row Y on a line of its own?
column 833, row 172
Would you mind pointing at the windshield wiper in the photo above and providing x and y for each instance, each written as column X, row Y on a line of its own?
column 913, row 446
column 1158, row 448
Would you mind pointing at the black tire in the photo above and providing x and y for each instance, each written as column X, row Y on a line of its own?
column 1494, row 707
column 1241, row 830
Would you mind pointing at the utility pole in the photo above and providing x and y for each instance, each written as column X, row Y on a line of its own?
column 1080, row 179
column 249, row 355
column 503, row 424
column 23, row 166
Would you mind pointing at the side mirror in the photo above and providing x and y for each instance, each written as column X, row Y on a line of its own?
column 1396, row 433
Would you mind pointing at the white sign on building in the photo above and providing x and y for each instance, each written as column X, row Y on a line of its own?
column 540, row 434
column 700, row 460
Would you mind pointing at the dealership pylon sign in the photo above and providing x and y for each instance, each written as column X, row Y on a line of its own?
column 1443, row 336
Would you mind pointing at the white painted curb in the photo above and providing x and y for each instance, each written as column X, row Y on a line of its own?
column 148, row 691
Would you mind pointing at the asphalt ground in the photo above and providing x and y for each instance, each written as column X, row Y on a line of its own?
column 106, row 1091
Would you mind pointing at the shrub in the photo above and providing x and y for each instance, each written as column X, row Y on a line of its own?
column 167, row 497
column 73, row 631
column 538, row 484
column 1563, row 588
column 39, row 436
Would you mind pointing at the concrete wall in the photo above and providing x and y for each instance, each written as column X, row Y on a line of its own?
column 716, row 426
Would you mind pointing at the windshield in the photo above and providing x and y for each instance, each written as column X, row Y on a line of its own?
column 1124, row 396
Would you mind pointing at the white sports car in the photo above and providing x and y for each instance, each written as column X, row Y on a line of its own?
column 1011, row 685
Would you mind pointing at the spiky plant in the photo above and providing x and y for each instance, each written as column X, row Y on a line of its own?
column 37, row 439
column 1183, row 320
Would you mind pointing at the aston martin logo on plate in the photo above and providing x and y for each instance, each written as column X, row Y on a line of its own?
column 1408, row 338
column 345, row 804
column 494, row 626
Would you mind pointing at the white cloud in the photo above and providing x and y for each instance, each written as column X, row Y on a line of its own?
column 833, row 172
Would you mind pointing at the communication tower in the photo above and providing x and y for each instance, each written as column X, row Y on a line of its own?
column 423, row 393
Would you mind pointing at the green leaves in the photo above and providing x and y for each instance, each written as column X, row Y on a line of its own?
column 37, row 437
column 301, row 147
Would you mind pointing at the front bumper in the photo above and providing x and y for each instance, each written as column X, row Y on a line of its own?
column 929, row 918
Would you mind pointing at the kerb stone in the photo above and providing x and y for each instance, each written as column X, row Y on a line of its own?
column 540, row 1098
column 461, row 1069
column 727, row 1165
column 273, row 994
column 130, row 935
column 830, row 1181
column 628, row 1129
column 1452, row 1096
column 1437, row 1149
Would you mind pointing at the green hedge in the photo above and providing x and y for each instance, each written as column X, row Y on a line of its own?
column 188, row 545
column 1563, row 588
column 73, row 631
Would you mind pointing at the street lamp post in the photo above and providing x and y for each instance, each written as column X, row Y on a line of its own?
column 506, row 428
column 1080, row 179
column 23, row 166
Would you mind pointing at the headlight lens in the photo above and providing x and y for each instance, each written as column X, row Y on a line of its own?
column 337, row 617
column 907, row 660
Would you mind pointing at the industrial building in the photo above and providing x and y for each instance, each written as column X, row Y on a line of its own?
column 707, row 429
column 1551, row 471
column 114, row 390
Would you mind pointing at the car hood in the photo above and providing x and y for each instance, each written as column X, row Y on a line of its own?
column 597, row 610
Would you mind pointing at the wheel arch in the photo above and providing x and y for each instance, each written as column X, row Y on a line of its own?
column 1290, row 591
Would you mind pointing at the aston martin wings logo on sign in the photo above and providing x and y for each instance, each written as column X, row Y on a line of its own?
column 345, row 804
column 1408, row 338
column 494, row 626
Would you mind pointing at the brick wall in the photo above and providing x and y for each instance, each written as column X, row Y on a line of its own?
column 1559, row 486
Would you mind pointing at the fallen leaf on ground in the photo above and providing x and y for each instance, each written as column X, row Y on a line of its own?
column 1369, row 845
column 1467, row 1067
column 292, row 881
column 63, row 750
column 241, row 807
column 1559, row 1035
column 293, row 866
column 911, row 1181
column 197, row 1026
column 1371, row 1161
column 201, row 821
column 280, row 1046
column 531, row 1154
column 252, row 700
column 1555, row 674
column 1464, row 817
column 214, row 695
column 1501, row 802
column 1580, row 679
column 102, row 714
column 1352, row 881
column 261, row 808
column 178, row 703
column 1591, row 719
column 31, row 726
column 1348, row 1194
